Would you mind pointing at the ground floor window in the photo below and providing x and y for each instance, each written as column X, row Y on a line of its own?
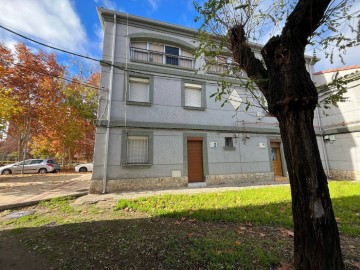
column 137, row 150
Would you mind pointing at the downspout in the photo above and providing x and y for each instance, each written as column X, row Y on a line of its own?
column 109, row 109
column 320, row 126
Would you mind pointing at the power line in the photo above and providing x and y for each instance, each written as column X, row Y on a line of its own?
column 55, row 76
column 48, row 46
column 91, row 58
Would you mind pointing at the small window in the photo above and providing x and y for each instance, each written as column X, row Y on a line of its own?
column 229, row 142
column 139, row 89
column 172, row 55
column 137, row 150
column 193, row 95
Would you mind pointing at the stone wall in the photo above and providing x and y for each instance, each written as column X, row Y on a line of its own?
column 347, row 175
column 125, row 185
column 122, row 185
column 240, row 179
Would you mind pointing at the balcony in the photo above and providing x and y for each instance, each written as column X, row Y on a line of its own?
column 221, row 68
column 141, row 55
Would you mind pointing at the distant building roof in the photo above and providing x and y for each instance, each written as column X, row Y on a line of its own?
column 337, row 69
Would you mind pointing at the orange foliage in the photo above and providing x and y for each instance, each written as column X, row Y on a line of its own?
column 56, row 116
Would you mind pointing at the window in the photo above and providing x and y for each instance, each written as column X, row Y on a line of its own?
column 172, row 55
column 193, row 95
column 229, row 142
column 137, row 150
column 36, row 161
column 139, row 90
column 26, row 162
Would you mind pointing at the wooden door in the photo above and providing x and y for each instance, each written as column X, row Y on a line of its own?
column 195, row 161
column 276, row 159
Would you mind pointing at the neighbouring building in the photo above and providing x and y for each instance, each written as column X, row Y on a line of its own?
column 341, row 124
column 158, row 127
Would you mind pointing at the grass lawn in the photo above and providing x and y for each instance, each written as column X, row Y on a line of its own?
column 249, row 229
column 265, row 206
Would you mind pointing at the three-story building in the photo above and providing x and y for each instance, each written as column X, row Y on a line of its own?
column 158, row 126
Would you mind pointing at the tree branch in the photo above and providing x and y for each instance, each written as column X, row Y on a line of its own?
column 305, row 19
column 246, row 59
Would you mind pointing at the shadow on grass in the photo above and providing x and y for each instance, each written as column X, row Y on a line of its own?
column 195, row 239
column 152, row 243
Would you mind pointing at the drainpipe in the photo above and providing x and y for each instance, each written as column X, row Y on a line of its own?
column 320, row 126
column 109, row 109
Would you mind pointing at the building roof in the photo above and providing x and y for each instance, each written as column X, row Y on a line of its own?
column 337, row 69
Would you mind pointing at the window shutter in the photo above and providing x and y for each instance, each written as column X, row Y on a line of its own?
column 137, row 150
column 139, row 89
column 192, row 95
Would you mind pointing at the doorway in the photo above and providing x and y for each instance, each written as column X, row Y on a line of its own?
column 195, row 159
column 276, row 158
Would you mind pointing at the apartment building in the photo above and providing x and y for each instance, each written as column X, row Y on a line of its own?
column 341, row 124
column 157, row 125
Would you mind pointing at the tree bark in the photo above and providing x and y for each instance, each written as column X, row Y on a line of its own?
column 292, row 99
column 316, row 237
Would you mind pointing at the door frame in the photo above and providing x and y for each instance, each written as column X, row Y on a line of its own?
column 196, row 136
column 282, row 155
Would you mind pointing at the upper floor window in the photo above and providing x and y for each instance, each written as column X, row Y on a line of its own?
column 139, row 89
column 161, row 54
column 193, row 95
column 172, row 55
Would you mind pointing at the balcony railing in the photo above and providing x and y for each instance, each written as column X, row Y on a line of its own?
column 219, row 68
column 142, row 55
column 224, row 68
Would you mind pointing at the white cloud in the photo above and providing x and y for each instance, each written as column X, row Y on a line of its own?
column 53, row 22
column 154, row 4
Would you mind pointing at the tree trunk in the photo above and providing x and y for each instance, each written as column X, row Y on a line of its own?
column 292, row 99
column 316, row 237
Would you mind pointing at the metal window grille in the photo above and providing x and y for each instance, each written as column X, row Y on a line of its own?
column 138, row 89
column 137, row 150
column 229, row 142
column 193, row 95
column 172, row 55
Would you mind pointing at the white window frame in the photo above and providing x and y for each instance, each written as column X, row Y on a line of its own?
column 136, row 78
column 196, row 85
column 139, row 156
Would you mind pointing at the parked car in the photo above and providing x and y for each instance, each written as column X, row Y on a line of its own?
column 31, row 166
column 87, row 167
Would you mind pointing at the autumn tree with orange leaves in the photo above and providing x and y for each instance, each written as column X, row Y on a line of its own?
column 48, row 116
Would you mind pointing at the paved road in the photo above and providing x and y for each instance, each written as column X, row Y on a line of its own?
column 21, row 190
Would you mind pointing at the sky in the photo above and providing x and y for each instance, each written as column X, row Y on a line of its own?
column 74, row 25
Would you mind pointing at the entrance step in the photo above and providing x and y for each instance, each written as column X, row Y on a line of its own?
column 197, row 184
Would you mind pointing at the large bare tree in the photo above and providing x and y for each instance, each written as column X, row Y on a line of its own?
column 281, row 76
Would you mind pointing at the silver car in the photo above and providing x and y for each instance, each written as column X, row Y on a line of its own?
column 87, row 167
column 31, row 166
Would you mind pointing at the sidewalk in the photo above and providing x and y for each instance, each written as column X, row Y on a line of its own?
column 22, row 190
column 112, row 198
